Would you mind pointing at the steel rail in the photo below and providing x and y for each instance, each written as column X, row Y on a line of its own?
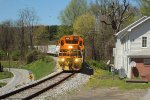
column 17, row 91
column 47, row 88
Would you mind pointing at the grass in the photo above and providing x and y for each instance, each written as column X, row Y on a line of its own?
column 41, row 68
column 103, row 78
column 2, row 84
column 13, row 64
column 5, row 74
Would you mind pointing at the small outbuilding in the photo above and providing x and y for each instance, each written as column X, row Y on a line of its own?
column 132, row 52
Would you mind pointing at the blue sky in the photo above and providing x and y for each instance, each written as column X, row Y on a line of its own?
column 47, row 10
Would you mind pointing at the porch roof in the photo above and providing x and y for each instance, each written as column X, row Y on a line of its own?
column 140, row 54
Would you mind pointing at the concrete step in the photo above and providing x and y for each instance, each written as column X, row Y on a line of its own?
column 136, row 81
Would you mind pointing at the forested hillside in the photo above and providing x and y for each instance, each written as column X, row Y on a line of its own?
column 95, row 20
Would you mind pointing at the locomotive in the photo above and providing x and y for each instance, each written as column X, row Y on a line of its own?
column 71, row 53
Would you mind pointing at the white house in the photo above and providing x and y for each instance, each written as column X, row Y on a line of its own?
column 132, row 52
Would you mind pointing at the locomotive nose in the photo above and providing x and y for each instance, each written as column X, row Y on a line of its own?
column 76, row 60
column 70, row 47
column 63, row 59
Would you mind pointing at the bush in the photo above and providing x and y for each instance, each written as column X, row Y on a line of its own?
column 31, row 56
column 97, row 64
column 48, row 59
column 15, row 55
column 34, row 55
column 2, row 54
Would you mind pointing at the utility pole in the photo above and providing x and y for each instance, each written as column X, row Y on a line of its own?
column 8, row 60
column 93, row 46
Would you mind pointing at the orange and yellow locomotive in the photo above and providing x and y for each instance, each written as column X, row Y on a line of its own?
column 71, row 53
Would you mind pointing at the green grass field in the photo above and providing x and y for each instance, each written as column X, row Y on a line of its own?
column 103, row 78
column 13, row 64
column 5, row 74
column 2, row 84
column 41, row 68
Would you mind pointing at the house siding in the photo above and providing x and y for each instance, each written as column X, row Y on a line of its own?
column 137, row 34
column 131, row 43
column 118, row 55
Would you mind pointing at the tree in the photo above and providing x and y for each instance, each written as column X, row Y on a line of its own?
column 72, row 11
column 30, row 21
column 145, row 7
column 21, row 24
column 84, row 24
column 27, row 20
column 40, row 35
column 117, row 13
column 111, row 16
column 52, row 30
column 6, row 35
column 64, row 30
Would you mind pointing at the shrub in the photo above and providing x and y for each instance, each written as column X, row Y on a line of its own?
column 2, row 53
column 15, row 55
column 41, row 55
column 32, row 56
column 48, row 59
column 97, row 64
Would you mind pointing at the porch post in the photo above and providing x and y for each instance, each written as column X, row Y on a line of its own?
column 129, row 68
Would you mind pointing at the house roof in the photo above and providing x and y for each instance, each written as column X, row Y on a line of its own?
column 132, row 26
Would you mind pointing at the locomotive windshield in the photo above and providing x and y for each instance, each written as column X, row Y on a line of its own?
column 71, row 42
column 74, row 41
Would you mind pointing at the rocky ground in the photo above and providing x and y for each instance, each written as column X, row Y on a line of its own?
column 102, row 94
column 74, row 89
column 62, row 89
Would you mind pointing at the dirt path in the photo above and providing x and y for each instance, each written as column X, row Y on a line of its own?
column 103, row 94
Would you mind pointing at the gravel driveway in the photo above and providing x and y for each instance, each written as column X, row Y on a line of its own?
column 104, row 94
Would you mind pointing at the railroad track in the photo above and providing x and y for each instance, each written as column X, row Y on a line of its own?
column 37, row 88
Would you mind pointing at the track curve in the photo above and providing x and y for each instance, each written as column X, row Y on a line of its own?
column 35, row 89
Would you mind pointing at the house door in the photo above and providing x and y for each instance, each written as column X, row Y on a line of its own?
column 135, row 72
column 134, row 69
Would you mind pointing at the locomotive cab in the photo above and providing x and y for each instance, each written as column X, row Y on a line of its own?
column 70, row 56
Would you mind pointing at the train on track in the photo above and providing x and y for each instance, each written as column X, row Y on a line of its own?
column 71, row 53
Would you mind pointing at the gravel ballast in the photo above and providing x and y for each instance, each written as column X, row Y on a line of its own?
column 70, row 84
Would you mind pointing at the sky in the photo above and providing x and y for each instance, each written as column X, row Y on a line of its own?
column 47, row 10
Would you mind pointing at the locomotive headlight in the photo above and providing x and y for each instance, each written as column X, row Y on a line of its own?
column 76, row 60
column 63, row 59
column 70, row 47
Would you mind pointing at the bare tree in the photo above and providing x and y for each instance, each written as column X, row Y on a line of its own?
column 110, row 17
column 117, row 13
column 27, row 21
column 6, row 35
column 21, row 24
column 31, row 21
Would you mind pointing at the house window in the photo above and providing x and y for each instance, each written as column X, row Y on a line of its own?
column 144, row 41
column 146, row 61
